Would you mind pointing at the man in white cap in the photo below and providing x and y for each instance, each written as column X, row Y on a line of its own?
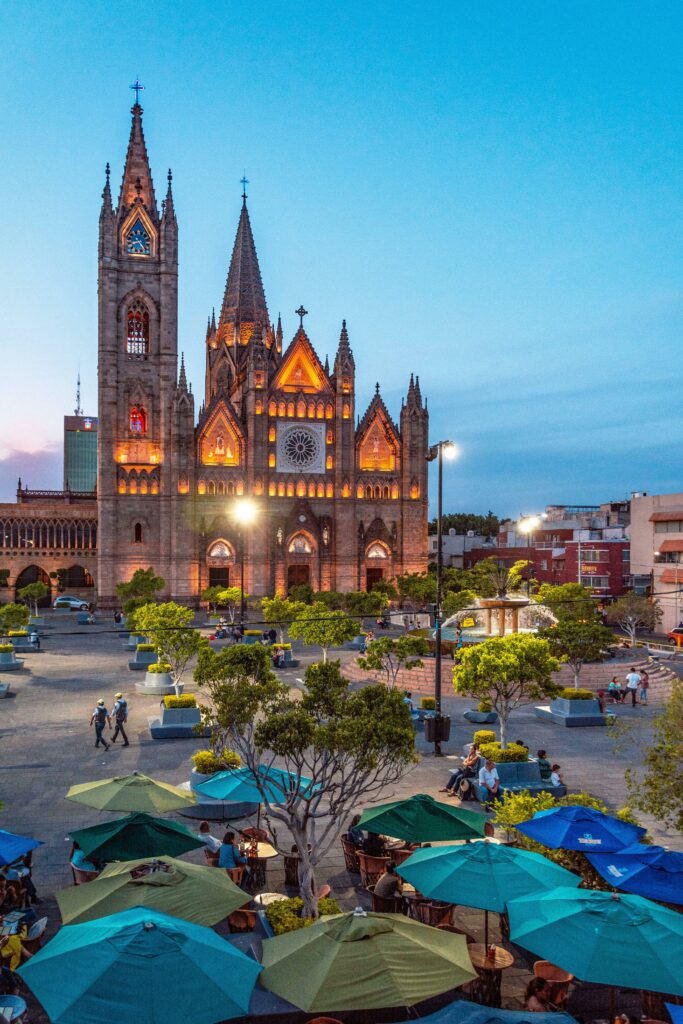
column 120, row 715
column 100, row 717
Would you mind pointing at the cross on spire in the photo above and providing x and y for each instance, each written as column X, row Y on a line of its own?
column 137, row 86
column 244, row 181
column 301, row 313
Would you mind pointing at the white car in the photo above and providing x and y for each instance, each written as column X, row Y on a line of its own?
column 75, row 604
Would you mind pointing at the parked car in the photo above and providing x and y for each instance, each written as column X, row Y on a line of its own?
column 675, row 636
column 75, row 604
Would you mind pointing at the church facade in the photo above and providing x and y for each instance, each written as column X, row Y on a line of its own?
column 339, row 500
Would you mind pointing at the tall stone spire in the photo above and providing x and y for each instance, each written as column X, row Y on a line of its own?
column 106, row 194
column 344, row 361
column 137, row 176
column 244, row 301
column 182, row 380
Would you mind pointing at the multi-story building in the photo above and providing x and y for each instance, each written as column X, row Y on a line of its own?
column 657, row 552
column 454, row 546
column 80, row 453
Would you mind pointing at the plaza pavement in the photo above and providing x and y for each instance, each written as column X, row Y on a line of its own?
column 46, row 745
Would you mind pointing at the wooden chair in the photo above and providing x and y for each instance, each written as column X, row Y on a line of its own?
column 371, row 868
column 558, row 980
column 385, row 904
column 259, row 834
column 436, row 914
column 399, row 856
column 235, row 875
column 350, row 855
column 242, row 920
column 81, row 876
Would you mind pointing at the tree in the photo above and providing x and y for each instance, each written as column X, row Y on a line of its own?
column 508, row 671
column 569, row 602
column 657, row 787
column 302, row 592
column 321, row 627
column 211, row 595
column 32, row 593
column 385, row 587
column 362, row 602
column 493, row 578
column 168, row 627
column 418, row 587
column 633, row 612
column 141, row 589
column 578, row 642
column 351, row 745
column 231, row 598
column 13, row 616
column 280, row 612
column 457, row 601
column 390, row 656
column 463, row 522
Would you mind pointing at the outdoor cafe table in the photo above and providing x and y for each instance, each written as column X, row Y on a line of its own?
column 257, row 864
column 486, row 989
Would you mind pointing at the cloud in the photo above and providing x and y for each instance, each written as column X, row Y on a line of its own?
column 41, row 470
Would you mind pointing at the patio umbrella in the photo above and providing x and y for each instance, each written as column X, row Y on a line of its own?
column 136, row 835
column 363, row 961
column 140, row 965
column 580, row 828
column 136, row 792
column 12, row 846
column 239, row 785
column 464, row 1012
column 602, row 937
column 422, row 819
column 675, row 1012
column 649, row 871
column 482, row 875
column 193, row 892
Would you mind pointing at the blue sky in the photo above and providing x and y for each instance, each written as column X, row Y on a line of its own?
column 490, row 194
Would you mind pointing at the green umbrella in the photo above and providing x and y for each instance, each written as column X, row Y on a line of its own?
column 136, row 792
column 483, row 875
column 422, row 819
column 193, row 892
column 363, row 961
column 607, row 938
column 143, row 966
column 136, row 835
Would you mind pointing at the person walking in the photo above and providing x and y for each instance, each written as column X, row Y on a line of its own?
column 632, row 683
column 100, row 717
column 120, row 715
column 644, row 686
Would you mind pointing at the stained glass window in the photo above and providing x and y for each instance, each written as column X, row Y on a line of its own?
column 137, row 421
column 137, row 339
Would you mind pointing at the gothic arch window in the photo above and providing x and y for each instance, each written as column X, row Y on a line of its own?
column 137, row 337
column 301, row 408
column 272, row 489
column 221, row 549
column 321, row 490
column 329, row 491
column 137, row 533
column 231, row 488
column 385, row 493
column 137, row 420
column 212, row 487
column 311, row 410
column 290, row 408
column 300, row 545
column 311, row 490
column 282, row 408
column 272, row 407
column 301, row 489
column 321, row 410
column 378, row 492
column 368, row 491
column 329, row 410
column 376, row 550
column 281, row 490
column 220, row 487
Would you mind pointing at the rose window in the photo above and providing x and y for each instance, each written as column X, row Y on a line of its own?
column 301, row 448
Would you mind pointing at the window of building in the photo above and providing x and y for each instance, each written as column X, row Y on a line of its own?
column 543, row 564
column 597, row 582
column 137, row 339
column 300, row 545
column 626, row 555
column 376, row 550
column 137, row 533
column 137, row 420
column 595, row 555
column 672, row 526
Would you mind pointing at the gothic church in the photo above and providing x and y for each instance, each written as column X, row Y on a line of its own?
column 340, row 502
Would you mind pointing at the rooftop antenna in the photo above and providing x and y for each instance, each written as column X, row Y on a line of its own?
column 78, row 411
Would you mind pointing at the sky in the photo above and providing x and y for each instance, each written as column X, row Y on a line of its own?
column 489, row 193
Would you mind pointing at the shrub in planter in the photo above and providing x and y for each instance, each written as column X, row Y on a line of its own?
column 485, row 706
column 285, row 915
column 427, row 703
column 146, row 647
column 207, row 763
column 569, row 693
column 494, row 752
column 253, row 632
column 484, row 736
column 159, row 667
column 6, row 648
column 281, row 647
column 186, row 700
column 17, row 632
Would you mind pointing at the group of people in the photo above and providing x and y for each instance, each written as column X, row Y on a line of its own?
column 18, row 897
column 101, row 717
column 637, row 684
column 460, row 782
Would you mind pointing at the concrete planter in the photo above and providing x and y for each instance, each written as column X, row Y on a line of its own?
column 9, row 662
column 21, row 643
column 36, row 620
column 289, row 661
column 4, row 690
column 177, row 723
column 573, row 713
column 251, row 639
column 133, row 641
column 157, row 682
column 142, row 659
column 214, row 810
column 481, row 717
column 197, row 777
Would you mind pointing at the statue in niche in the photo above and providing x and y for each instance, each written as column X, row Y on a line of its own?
column 280, row 535
column 219, row 448
column 326, row 535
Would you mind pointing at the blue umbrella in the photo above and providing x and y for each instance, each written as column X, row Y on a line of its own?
column 580, row 828
column 675, row 1012
column 12, row 847
column 239, row 785
column 649, row 871
column 464, row 1012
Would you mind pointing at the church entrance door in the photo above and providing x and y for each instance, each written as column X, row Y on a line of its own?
column 219, row 576
column 297, row 574
column 373, row 576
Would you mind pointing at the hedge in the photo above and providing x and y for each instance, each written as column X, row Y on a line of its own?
column 281, row 647
column 569, row 693
column 285, row 915
column 187, row 700
column 158, row 667
column 206, row 762
column 6, row 648
column 427, row 703
column 484, row 736
column 17, row 632
column 144, row 647
column 494, row 752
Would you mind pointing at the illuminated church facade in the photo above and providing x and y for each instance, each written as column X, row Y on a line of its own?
column 340, row 499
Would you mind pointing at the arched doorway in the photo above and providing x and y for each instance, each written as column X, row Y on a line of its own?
column 34, row 574
column 300, row 554
column 377, row 561
column 220, row 559
column 76, row 578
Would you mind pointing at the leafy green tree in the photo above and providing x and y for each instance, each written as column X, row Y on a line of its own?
column 508, row 671
column 457, row 601
column 385, row 587
column 515, row 808
column 462, row 522
column 321, row 627
column 211, row 595
column 418, row 587
column 362, row 602
column 493, row 578
column 633, row 612
column 330, row 598
column 231, row 599
column 351, row 745
column 141, row 589
column 578, row 642
column 280, row 612
column 169, row 627
column 32, row 593
column 390, row 656
column 13, row 616
column 656, row 788
column 302, row 592
column 569, row 602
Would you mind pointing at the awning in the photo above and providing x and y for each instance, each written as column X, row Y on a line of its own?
column 672, row 576
column 671, row 545
column 667, row 517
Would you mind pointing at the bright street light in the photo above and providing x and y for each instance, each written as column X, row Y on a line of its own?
column 245, row 512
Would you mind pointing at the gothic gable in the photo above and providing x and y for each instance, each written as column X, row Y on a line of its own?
column 220, row 441
column 377, row 440
column 301, row 370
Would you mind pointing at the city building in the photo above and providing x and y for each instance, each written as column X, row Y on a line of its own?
column 80, row 454
column 455, row 545
column 657, row 552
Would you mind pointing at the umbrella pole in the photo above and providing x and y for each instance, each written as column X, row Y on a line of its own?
column 486, row 928
column 612, row 1003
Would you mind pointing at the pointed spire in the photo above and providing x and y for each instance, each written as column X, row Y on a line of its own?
column 168, row 202
column 418, row 393
column 106, row 193
column 213, row 320
column 327, row 366
column 244, row 301
column 278, row 332
column 343, row 361
column 377, row 388
column 182, row 380
column 344, row 336
column 137, row 176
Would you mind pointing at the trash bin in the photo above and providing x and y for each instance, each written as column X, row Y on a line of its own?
column 437, row 728
column 445, row 727
column 430, row 728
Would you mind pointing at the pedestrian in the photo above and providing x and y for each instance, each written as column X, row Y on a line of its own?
column 120, row 715
column 632, row 684
column 408, row 701
column 100, row 717
column 644, row 686
column 34, row 639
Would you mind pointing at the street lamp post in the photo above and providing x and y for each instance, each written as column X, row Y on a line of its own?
column 245, row 513
column 527, row 524
column 438, row 451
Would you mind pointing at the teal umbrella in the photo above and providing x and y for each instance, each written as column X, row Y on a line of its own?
column 140, row 965
column 422, row 819
column 483, row 875
column 238, row 785
column 603, row 937
column 136, row 835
